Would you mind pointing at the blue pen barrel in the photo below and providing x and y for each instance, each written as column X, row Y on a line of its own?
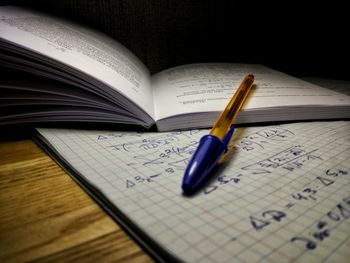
column 207, row 154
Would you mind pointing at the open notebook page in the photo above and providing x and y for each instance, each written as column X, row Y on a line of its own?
column 283, row 194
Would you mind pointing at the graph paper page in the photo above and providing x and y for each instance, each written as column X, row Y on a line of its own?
column 282, row 195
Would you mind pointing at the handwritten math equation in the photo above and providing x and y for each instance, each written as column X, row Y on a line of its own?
column 322, row 227
column 167, row 151
column 262, row 137
column 169, row 154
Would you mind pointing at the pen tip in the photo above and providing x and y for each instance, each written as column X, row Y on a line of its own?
column 187, row 189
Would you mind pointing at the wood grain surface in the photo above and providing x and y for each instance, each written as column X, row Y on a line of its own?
column 46, row 217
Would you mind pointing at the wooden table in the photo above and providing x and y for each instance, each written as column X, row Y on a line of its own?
column 45, row 216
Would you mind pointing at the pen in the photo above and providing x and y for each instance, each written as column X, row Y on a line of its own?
column 212, row 146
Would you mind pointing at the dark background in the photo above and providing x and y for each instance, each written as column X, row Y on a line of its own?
column 302, row 39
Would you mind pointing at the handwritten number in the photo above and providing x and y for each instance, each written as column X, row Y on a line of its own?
column 321, row 235
column 306, row 194
column 298, row 196
column 169, row 170
column 309, row 243
column 345, row 213
column 336, row 173
column 276, row 215
column 330, row 173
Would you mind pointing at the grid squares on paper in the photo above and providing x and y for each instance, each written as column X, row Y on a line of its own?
column 205, row 246
column 144, row 184
column 193, row 237
column 341, row 253
column 220, row 255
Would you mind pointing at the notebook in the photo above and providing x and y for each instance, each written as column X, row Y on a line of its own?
column 282, row 194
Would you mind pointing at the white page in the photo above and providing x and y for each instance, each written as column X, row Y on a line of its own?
column 341, row 86
column 282, row 195
column 88, row 51
column 208, row 88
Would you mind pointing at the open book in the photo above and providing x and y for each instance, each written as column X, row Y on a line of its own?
column 105, row 82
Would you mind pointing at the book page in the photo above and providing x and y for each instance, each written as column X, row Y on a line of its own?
column 282, row 195
column 85, row 50
column 341, row 86
column 208, row 88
